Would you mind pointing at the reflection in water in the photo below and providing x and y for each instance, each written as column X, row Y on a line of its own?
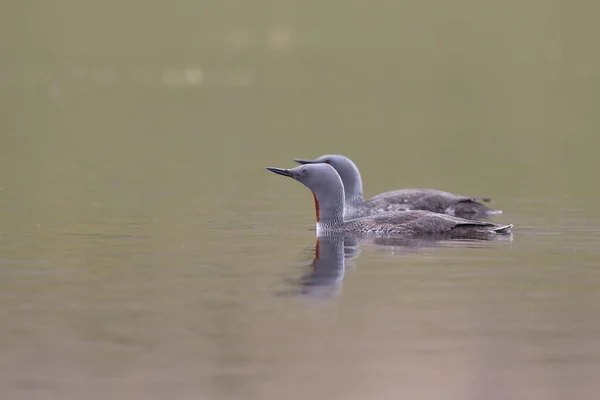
column 331, row 252
column 328, row 267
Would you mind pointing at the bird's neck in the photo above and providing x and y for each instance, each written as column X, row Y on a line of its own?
column 329, row 207
column 353, row 188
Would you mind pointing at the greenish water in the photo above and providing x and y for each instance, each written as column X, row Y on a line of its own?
column 145, row 253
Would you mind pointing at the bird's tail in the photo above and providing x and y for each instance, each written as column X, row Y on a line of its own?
column 503, row 229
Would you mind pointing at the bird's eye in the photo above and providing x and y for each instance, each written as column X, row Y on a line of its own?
column 328, row 161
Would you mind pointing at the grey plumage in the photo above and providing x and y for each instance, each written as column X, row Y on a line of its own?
column 422, row 223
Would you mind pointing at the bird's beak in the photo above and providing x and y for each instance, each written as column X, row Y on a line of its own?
column 301, row 161
column 280, row 171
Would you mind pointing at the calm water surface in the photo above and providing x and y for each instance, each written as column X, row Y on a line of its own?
column 145, row 253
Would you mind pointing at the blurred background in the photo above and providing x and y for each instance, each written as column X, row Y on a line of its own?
column 143, row 247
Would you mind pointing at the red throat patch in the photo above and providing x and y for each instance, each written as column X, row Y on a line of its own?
column 317, row 207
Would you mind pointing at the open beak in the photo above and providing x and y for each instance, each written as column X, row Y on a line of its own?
column 280, row 171
column 301, row 161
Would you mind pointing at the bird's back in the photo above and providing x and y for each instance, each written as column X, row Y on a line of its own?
column 436, row 201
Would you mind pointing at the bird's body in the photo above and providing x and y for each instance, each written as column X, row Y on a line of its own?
column 415, row 223
column 433, row 200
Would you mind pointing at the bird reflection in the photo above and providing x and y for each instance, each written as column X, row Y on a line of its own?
column 333, row 252
column 328, row 266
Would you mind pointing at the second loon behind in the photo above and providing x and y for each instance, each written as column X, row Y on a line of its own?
column 328, row 191
column 399, row 200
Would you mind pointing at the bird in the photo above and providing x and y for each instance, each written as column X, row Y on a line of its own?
column 399, row 200
column 328, row 193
